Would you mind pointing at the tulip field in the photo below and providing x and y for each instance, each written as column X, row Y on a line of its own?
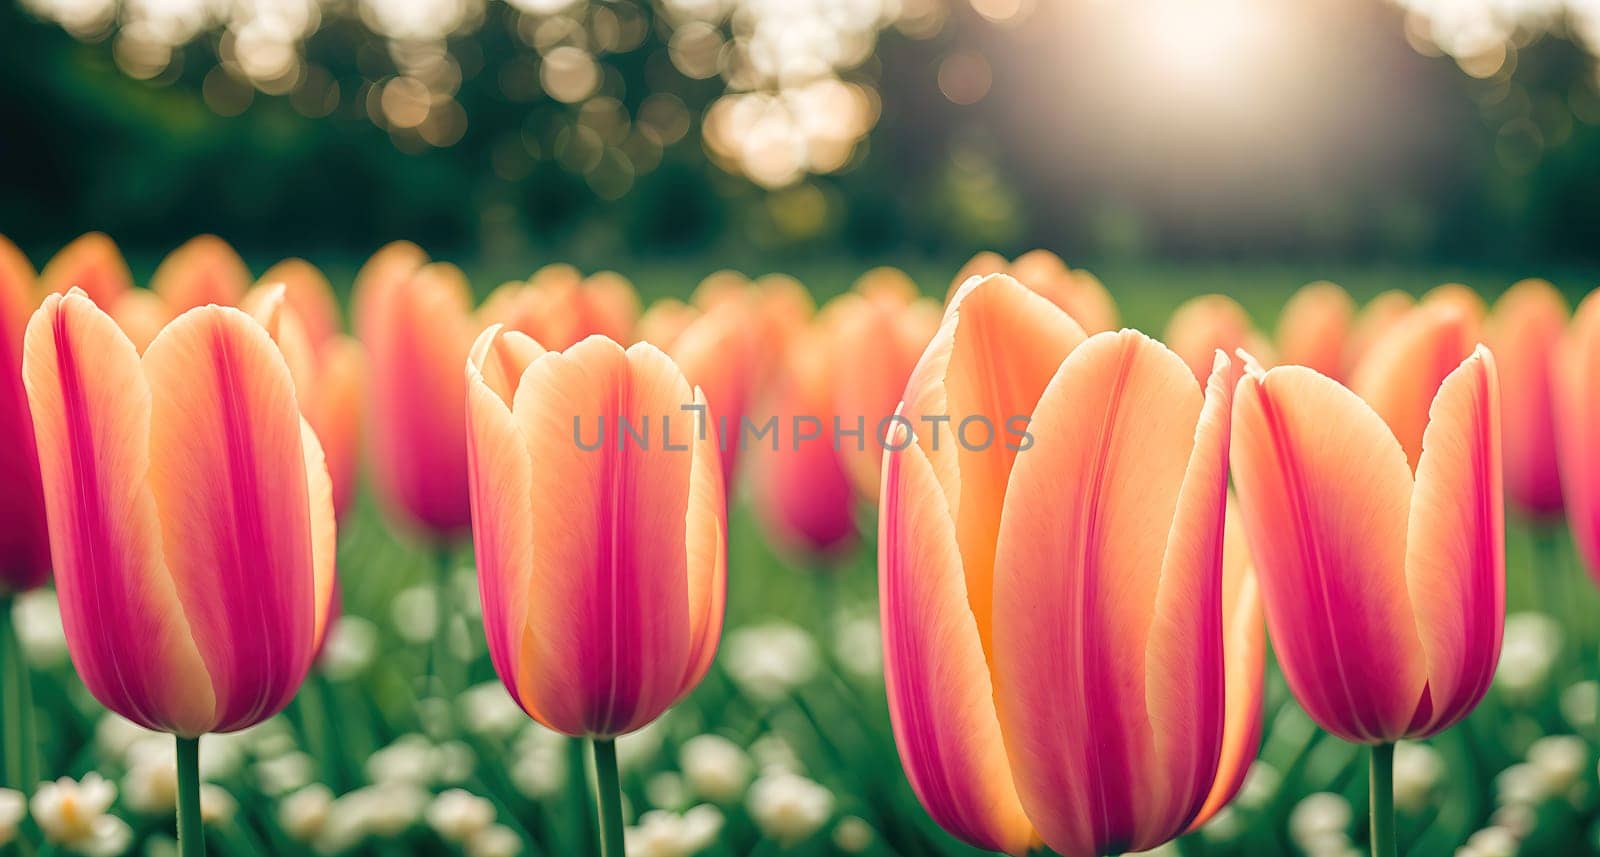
column 388, row 556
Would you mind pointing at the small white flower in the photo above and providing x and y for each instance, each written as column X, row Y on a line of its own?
column 852, row 835
column 384, row 810
column 1530, row 647
column 666, row 790
column 1418, row 769
column 1580, row 704
column 267, row 740
column 285, row 773
column 494, row 841
column 457, row 815
column 1493, row 842
column 415, row 614
column 115, row 736
column 455, row 761
column 1519, row 819
column 411, row 758
column 1520, row 784
column 1260, row 785
column 488, row 710
column 150, row 786
column 37, row 617
column 666, row 834
column 13, row 806
column 767, row 661
column 701, row 824
column 221, row 756
column 304, row 813
column 788, row 807
column 716, row 768
column 773, row 753
column 73, row 814
column 636, row 750
column 217, row 806
column 1224, row 827
column 1317, row 815
column 350, row 648
column 858, row 643
column 1560, row 760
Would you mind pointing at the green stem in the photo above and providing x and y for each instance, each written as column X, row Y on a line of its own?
column 1382, row 768
column 439, row 656
column 609, row 797
column 16, row 706
column 191, row 832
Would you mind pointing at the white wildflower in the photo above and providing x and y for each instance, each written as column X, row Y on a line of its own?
column 716, row 768
column 788, row 807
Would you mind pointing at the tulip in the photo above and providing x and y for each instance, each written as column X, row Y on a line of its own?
column 1384, row 591
column 1314, row 328
column 720, row 354
column 191, row 519
column 24, row 538
column 1372, row 323
column 664, row 322
column 91, row 262
column 1079, row 293
column 875, row 335
column 1402, row 369
column 802, row 492
column 204, row 270
column 1204, row 325
column 1523, row 331
column 329, row 376
column 308, row 293
column 558, row 306
column 602, row 570
column 1575, row 389
column 141, row 314
column 415, row 320
column 1135, row 720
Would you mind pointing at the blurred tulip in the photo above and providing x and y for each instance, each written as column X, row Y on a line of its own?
column 24, row 540
column 602, row 570
column 308, row 293
column 1523, row 331
column 1575, row 388
column 875, row 335
column 1134, row 722
column 1464, row 299
column 719, row 286
column 190, row 514
column 801, row 490
column 1202, row 326
column 91, row 262
column 558, row 307
column 204, row 270
column 1402, row 369
column 141, row 314
column 1079, row 293
column 720, row 354
column 1384, row 592
column 329, row 378
column 664, row 322
column 415, row 320
column 1372, row 323
column 1314, row 328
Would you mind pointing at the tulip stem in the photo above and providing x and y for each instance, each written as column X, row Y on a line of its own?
column 191, row 832
column 609, row 801
column 16, row 706
column 1382, row 768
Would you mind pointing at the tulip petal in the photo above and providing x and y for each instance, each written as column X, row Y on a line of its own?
column 307, row 291
column 1402, row 370
column 1078, row 575
column 1577, row 388
column 204, row 270
column 228, row 473
column 1326, row 494
column 324, row 536
column 609, row 631
column 706, row 535
column 502, row 523
column 1455, row 555
column 941, row 701
column 125, row 626
column 997, row 349
column 24, row 537
column 1523, row 332
column 1314, row 328
column 91, row 262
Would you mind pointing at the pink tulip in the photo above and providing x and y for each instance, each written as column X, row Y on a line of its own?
column 1079, row 293
column 24, row 540
column 1575, row 389
column 1314, row 328
column 415, row 320
column 1523, row 330
column 190, row 514
column 204, row 270
column 1069, row 658
column 558, row 306
column 91, row 262
column 602, row 569
column 1204, row 325
column 1403, row 368
column 1384, row 592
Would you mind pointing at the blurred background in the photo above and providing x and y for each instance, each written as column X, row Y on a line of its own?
column 1326, row 135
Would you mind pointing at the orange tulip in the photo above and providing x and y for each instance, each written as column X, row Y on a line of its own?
column 1384, row 592
column 204, row 270
column 24, row 540
column 91, row 262
column 1523, row 331
column 801, row 489
column 1575, row 389
column 191, row 517
column 1404, row 367
column 558, row 307
column 141, row 314
column 601, row 559
column 1314, row 328
column 664, row 322
column 1079, row 293
column 1135, row 720
column 1204, row 325
column 329, row 378
column 719, row 354
column 415, row 320
column 875, row 334
column 1372, row 323
column 309, row 294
